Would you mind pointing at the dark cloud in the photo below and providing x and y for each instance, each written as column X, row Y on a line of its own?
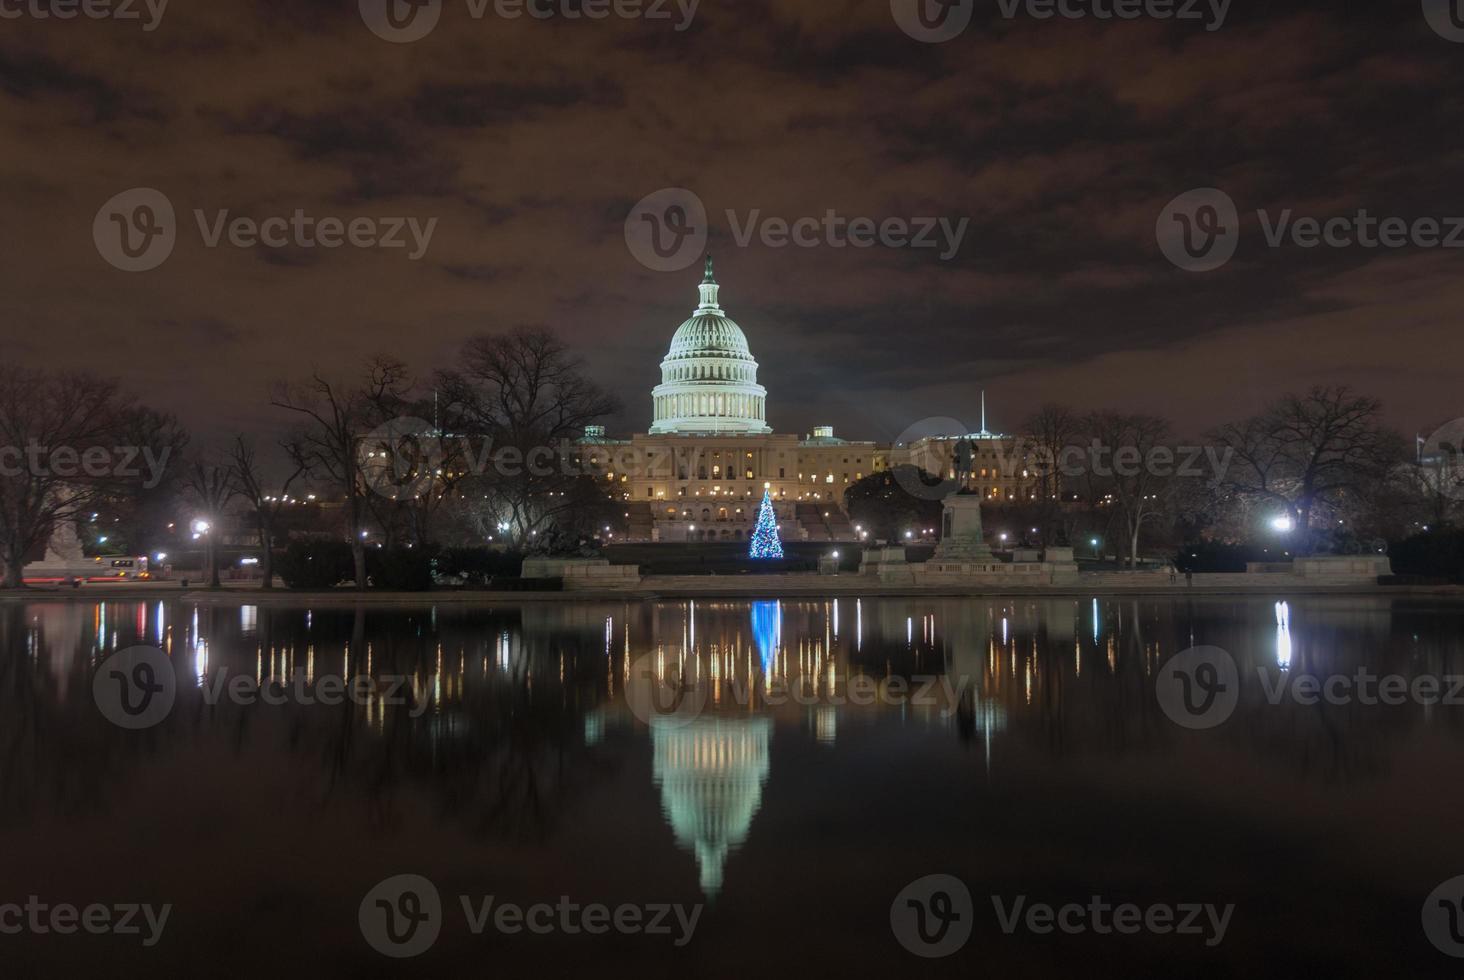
column 530, row 141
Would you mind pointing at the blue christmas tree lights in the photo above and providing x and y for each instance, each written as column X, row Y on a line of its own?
column 765, row 540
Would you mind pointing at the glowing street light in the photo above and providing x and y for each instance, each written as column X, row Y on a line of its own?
column 1283, row 524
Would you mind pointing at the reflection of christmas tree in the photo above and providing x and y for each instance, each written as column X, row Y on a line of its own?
column 765, row 541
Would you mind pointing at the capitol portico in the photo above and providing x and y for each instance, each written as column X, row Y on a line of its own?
column 700, row 471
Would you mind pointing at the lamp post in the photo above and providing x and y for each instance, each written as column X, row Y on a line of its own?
column 202, row 529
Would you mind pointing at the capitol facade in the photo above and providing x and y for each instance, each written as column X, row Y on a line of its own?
column 700, row 471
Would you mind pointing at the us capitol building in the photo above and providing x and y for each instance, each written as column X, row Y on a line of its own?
column 700, row 472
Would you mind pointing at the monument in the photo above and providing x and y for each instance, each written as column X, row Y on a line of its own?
column 962, row 550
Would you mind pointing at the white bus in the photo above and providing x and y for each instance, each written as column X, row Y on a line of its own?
column 99, row 569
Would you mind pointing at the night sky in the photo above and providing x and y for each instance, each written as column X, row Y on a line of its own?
column 530, row 142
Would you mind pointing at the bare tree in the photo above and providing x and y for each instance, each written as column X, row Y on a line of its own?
column 211, row 486
column 143, row 502
column 1046, row 433
column 526, row 397
column 336, row 418
column 44, row 415
column 251, row 483
column 1308, row 453
column 1123, row 467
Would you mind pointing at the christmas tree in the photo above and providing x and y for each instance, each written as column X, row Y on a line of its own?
column 765, row 541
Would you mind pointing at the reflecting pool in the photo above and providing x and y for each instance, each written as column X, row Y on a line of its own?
column 786, row 768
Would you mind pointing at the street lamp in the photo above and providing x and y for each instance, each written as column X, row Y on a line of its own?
column 1283, row 524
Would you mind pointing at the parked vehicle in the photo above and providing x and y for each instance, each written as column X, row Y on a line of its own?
column 99, row 569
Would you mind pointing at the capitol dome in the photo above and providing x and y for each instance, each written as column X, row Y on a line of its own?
column 709, row 376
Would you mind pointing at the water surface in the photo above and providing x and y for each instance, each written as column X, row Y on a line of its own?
column 1033, row 759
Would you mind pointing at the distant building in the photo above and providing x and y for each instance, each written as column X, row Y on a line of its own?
column 700, row 471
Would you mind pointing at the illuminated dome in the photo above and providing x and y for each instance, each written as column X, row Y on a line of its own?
column 709, row 376
column 711, row 773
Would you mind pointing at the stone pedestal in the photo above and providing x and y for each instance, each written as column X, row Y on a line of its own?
column 888, row 563
column 961, row 535
column 583, row 573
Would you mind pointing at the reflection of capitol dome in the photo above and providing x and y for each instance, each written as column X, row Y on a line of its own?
column 711, row 774
column 709, row 377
